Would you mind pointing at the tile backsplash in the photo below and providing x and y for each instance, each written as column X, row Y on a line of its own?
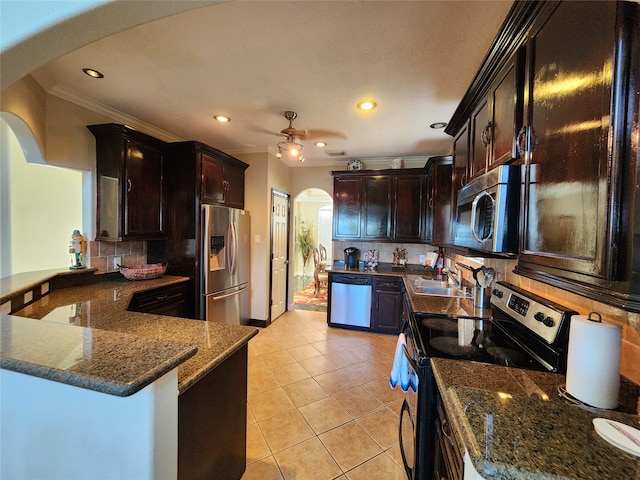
column 102, row 254
column 630, row 352
column 385, row 249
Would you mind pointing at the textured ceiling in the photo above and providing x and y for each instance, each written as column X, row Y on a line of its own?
column 252, row 60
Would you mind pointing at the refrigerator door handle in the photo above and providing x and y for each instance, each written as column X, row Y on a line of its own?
column 234, row 248
column 226, row 295
column 205, row 247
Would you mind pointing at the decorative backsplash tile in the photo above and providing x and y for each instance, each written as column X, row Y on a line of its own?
column 102, row 254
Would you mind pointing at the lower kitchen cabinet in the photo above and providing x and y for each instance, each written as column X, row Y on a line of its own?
column 448, row 463
column 168, row 300
column 386, row 314
column 212, row 423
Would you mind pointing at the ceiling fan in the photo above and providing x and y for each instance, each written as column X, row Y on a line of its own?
column 293, row 136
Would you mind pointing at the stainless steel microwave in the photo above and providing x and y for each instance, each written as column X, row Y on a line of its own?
column 487, row 211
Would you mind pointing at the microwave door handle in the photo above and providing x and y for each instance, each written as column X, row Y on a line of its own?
column 474, row 210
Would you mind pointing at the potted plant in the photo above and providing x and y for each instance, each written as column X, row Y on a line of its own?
column 304, row 243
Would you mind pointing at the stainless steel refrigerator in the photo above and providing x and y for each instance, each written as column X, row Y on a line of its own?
column 225, row 265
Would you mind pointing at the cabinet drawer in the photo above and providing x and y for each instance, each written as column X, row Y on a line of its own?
column 164, row 300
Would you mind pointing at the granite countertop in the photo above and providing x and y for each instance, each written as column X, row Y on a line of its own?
column 102, row 307
column 423, row 305
column 535, row 433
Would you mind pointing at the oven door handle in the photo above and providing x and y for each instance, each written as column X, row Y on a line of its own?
column 412, row 363
column 406, row 408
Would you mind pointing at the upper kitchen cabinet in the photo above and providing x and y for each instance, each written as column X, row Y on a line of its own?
column 379, row 205
column 497, row 119
column 439, row 200
column 581, row 119
column 578, row 141
column 220, row 176
column 129, row 184
column 409, row 215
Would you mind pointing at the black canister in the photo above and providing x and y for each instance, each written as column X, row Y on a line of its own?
column 351, row 256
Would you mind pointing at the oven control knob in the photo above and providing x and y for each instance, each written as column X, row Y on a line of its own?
column 549, row 322
column 539, row 316
column 497, row 293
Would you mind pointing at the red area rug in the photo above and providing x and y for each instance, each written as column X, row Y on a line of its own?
column 305, row 299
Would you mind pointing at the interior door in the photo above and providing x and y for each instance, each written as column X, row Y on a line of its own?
column 279, row 252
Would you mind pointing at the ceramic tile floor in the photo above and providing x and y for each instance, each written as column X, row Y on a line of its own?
column 319, row 403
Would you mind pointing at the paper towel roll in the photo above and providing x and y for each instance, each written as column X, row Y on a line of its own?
column 593, row 363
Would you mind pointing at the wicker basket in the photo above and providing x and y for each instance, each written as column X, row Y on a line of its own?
column 143, row 272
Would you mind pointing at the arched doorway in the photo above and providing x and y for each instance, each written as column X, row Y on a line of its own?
column 312, row 220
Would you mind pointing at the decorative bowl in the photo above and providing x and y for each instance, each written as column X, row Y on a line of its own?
column 143, row 272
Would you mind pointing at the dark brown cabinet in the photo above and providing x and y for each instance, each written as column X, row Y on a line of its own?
column 496, row 121
column 411, row 200
column 439, row 200
column 222, row 179
column 376, row 207
column 130, row 184
column 347, row 201
column 568, row 181
column 222, row 176
column 169, row 300
column 379, row 205
column 387, row 305
column 578, row 64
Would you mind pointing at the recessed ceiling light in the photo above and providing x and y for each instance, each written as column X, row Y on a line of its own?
column 222, row 118
column 438, row 125
column 367, row 105
column 93, row 73
column 320, row 144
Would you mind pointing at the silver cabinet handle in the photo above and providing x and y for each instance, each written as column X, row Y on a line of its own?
column 521, row 141
column 129, row 185
column 486, row 134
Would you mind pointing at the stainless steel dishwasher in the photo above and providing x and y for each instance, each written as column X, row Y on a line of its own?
column 350, row 300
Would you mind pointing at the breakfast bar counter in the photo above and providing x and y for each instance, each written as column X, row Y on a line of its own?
column 103, row 306
column 513, row 424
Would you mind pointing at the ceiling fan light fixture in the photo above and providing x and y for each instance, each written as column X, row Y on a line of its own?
column 222, row 118
column 367, row 105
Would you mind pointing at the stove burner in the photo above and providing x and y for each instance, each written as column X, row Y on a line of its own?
column 441, row 324
column 507, row 356
column 450, row 346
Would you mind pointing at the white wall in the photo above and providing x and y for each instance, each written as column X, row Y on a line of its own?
column 41, row 205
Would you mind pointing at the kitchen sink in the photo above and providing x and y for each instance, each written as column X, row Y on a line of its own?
column 424, row 286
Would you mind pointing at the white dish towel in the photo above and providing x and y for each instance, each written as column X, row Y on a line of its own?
column 401, row 372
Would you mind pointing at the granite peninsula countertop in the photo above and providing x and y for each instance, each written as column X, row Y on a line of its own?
column 535, row 433
column 423, row 305
column 99, row 310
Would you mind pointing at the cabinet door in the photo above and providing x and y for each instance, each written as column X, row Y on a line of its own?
column 506, row 109
column 387, row 305
column 377, row 208
column 410, row 202
column 441, row 200
column 347, row 194
column 234, row 186
column 428, row 212
column 460, row 174
column 480, row 128
column 569, row 74
column 143, row 186
column 212, row 180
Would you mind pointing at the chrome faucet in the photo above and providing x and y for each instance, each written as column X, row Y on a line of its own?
column 454, row 277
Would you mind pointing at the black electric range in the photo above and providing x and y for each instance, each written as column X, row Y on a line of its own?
column 525, row 331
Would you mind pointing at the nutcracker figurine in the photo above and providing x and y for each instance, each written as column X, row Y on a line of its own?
column 77, row 248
